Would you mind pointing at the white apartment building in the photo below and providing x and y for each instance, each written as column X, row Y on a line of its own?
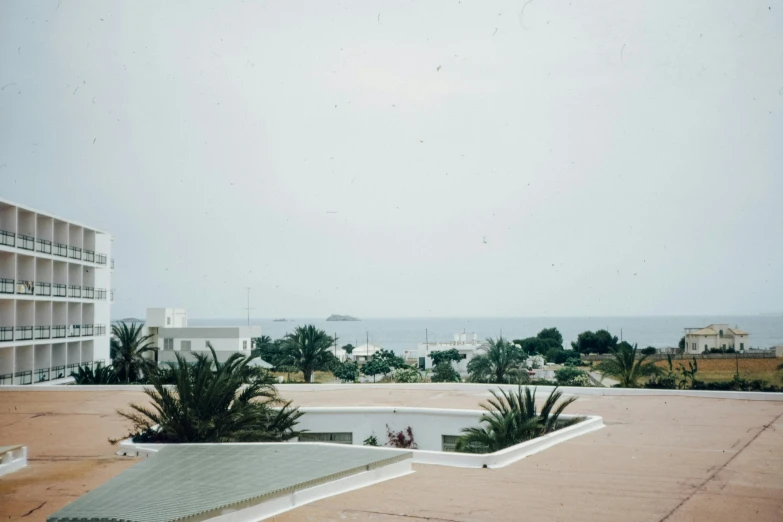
column 171, row 334
column 55, row 295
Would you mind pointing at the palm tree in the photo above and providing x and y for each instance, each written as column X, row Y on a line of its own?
column 128, row 347
column 310, row 349
column 511, row 418
column 625, row 366
column 213, row 402
column 98, row 375
column 493, row 365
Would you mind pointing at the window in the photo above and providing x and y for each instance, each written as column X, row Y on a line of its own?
column 721, row 333
column 244, row 345
column 184, row 346
column 463, row 356
column 448, row 442
column 168, row 321
column 742, row 346
column 337, row 438
column 421, row 363
column 693, row 347
column 168, row 344
column 705, row 348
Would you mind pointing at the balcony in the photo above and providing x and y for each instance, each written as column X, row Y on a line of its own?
column 25, row 287
column 75, row 330
column 43, row 332
column 25, row 242
column 44, row 246
column 25, row 377
column 100, row 294
column 58, row 331
column 88, row 292
column 88, row 330
column 23, row 333
column 100, row 329
column 6, row 333
column 43, row 288
column 100, row 259
column 89, row 256
column 43, row 375
column 7, row 238
column 58, row 372
column 59, row 249
column 75, row 291
column 6, row 286
column 74, row 252
column 59, row 290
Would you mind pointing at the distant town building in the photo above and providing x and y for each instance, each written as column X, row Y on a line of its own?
column 467, row 344
column 55, row 295
column 717, row 336
column 171, row 334
column 363, row 353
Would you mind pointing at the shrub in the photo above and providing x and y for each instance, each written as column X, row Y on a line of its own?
column 649, row 351
column 406, row 375
column 444, row 372
column 99, row 375
column 372, row 440
column 571, row 376
column 347, row 371
column 401, row 439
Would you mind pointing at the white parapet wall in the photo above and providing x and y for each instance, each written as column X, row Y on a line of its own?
column 428, row 425
column 12, row 458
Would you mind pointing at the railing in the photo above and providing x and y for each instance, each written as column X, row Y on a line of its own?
column 89, row 255
column 7, row 238
column 25, row 242
column 59, row 249
column 100, row 293
column 6, row 333
column 59, row 290
column 74, row 252
column 73, row 367
column 43, row 375
column 44, row 246
column 23, row 333
column 6, row 286
column 58, row 372
column 100, row 329
column 88, row 292
column 74, row 291
column 88, row 330
column 43, row 332
column 7, row 378
column 101, row 259
column 43, row 288
column 74, row 330
column 58, row 331
column 25, row 287
column 25, row 377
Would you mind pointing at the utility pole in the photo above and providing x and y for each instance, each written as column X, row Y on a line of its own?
column 248, row 306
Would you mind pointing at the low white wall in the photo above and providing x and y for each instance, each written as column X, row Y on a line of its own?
column 427, row 424
column 461, row 387
column 13, row 459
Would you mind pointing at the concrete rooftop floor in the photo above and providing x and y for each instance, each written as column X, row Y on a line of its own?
column 658, row 458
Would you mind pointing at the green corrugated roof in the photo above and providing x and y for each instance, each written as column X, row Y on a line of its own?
column 190, row 482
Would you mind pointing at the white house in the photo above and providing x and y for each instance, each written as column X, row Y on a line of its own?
column 720, row 336
column 468, row 346
column 364, row 352
column 171, row 334
column 55, row 295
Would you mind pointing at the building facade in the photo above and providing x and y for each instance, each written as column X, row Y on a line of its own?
column 171, row 334
column 715, row 336
column 468, row 345
column 55, row 295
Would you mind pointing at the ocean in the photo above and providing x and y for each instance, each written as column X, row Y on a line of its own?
column 405, row 334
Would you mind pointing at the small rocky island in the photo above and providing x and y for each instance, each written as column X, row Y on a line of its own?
column 337, row 317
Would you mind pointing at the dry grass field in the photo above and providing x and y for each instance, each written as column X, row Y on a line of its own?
column 712, row 370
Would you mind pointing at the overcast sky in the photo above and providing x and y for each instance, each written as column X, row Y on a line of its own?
column 401, row 159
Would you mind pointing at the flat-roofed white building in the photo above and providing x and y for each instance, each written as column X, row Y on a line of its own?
column 466, row 344
column 171, row 334
column 718, row 336
column 55, row 295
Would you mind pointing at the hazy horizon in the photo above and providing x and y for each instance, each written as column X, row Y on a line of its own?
column 516, row 159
